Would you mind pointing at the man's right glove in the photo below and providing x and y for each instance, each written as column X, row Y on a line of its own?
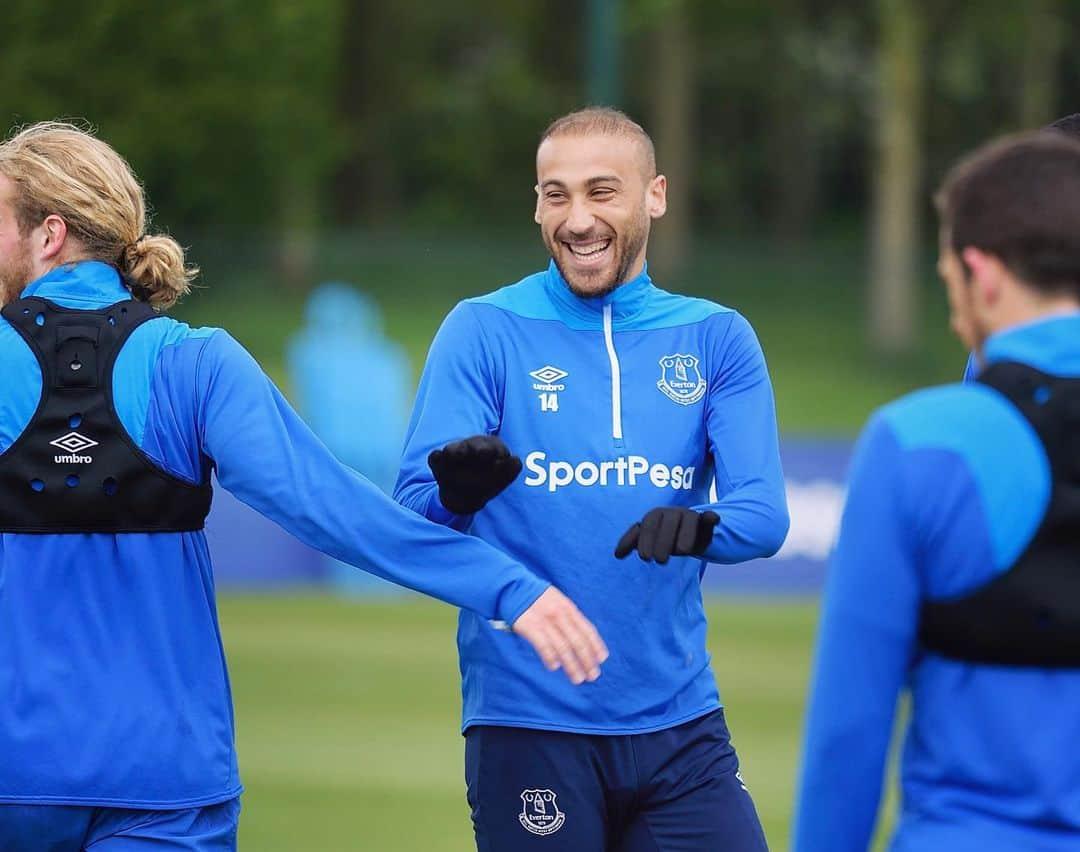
column 472, row 471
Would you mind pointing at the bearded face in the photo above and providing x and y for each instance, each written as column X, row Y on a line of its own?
column 595, row 202
column 15, row 272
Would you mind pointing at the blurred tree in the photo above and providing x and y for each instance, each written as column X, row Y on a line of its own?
column 821, row 65
column 780, row 92
column 1044, row 43
column 897, row 177
column 287, row 116
column 440, row 103
column 295, row 108
column 792, row 111
column 216, row 105
column 603, row 52
column 671, row 124
column 366, row 184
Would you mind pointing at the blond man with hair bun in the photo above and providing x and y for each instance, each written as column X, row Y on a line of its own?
column 58, row 169
column 116, row 724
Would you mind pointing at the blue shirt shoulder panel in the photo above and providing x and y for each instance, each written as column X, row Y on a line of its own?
column 137, row 364
column 527, row 299
column 1047, row 344
column 998, row 447
column 669, row 310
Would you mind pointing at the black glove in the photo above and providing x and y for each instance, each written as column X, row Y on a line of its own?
column 668, row 530
column 472, row 471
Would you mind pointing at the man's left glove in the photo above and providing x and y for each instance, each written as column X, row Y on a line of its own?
column 472, row 471
column 666, row 531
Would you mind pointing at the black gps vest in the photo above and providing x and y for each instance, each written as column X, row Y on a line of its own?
column 74, row 468
column 1029, row 615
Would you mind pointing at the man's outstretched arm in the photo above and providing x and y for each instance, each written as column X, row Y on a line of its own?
column 268, row 458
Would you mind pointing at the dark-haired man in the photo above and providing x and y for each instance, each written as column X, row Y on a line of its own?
column 624, row 403
column 1069, row 125
column 957, row 572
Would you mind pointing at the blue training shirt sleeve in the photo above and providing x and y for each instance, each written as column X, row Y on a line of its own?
column 741, row 422
column 458, row 397
column 866, row 641
column 268, row 457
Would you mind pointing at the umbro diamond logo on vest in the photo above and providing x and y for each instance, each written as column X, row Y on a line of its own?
column 73, row 443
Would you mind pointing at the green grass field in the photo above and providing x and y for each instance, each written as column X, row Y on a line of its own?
column 347, row 718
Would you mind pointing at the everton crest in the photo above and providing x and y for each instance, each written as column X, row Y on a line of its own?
column 539, row 813
column 680, row 379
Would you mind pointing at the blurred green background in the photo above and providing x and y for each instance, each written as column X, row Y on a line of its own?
column 390, row 145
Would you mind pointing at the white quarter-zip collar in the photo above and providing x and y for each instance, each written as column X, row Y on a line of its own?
column 625, row 302
column 609, row 312
column 616, row 377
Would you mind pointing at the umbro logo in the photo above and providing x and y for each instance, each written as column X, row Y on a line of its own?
column 549, row 375
column 548, row 380
column 73, row 443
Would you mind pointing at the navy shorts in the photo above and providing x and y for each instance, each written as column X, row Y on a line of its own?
column 677, row 790
column 66, row 828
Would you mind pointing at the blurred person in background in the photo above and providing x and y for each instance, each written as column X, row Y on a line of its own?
column 625, row 402
column 342, row 347
column 1069, row 125
column 956, row 572
column 116, row 723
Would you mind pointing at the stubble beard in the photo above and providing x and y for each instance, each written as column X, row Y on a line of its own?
column 14, row 276
column 627, row 251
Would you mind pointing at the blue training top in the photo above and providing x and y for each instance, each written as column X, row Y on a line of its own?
column 948, row 487
column 113, row 686
column 616, row 405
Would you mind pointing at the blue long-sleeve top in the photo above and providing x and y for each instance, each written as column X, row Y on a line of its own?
column 113, row 684
column 947, row 489
column 616, row 405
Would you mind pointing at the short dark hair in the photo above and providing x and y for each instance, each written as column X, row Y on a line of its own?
column 1019, row 198
column 1069, row 124
column 604, row 121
